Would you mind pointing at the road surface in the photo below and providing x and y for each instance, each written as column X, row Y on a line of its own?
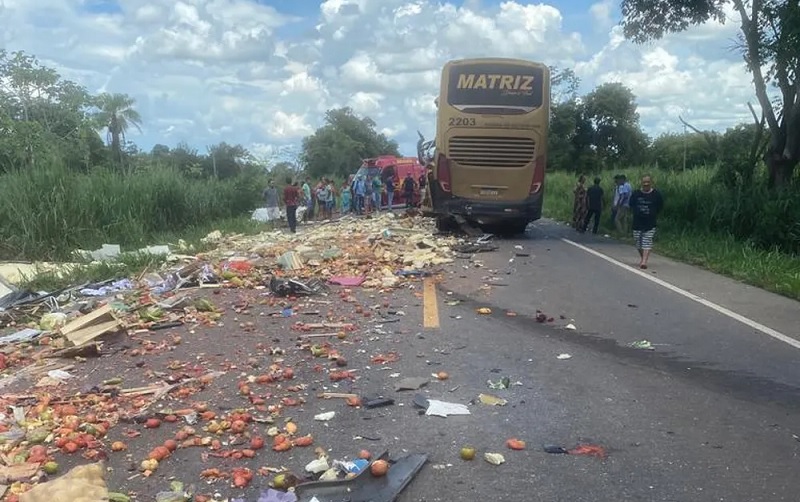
column 710, row 414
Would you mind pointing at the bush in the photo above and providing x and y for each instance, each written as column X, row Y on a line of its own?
column 47, row 212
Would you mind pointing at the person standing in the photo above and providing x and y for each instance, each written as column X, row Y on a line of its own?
column 579, row 205
column 347, row 198
column 360, row 192
column 595, row 197
column 645, row 205
column 291, row 197
column 377, row 191
column 623, row 204
column 307, row 200
column 272, row 202
column 408, row 191
column 322, row 198
column 390, row 189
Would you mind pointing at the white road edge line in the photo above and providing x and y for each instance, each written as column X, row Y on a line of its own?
column 675, row 289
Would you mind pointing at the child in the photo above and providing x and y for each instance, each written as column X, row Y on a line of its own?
column 346, row 198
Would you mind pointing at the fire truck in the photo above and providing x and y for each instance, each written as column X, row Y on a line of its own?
column 389, row 166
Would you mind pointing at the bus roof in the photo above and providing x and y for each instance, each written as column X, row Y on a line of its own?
column 456, row 62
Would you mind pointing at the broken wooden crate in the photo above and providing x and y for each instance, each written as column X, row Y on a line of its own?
column 92, row 325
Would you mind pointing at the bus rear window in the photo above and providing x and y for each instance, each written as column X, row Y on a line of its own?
column 491, row 87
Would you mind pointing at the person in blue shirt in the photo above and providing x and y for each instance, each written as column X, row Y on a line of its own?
column 360, row 192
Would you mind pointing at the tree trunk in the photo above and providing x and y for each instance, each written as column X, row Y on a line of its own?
column 780, row 170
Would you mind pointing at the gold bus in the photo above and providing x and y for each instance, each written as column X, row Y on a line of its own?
column 490, row 153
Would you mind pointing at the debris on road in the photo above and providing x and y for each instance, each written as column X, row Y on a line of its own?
column 490, row 400
column 642, row 345
column 383, row 483
column 590, row 450
column 445, row 409
column 564, row 356
column 494, row 458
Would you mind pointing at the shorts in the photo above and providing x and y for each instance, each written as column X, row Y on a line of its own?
column 644, row 238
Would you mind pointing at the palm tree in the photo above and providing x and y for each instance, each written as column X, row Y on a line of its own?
column 116, row 115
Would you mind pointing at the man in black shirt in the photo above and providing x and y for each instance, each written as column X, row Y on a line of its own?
column 595, row 196
column 646, row 203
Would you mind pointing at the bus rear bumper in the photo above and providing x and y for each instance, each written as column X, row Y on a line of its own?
column 483, row 212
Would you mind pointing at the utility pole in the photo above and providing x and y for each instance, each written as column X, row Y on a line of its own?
column 685, row 139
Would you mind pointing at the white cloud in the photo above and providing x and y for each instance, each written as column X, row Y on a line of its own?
column 601, row 13
column 242, row 71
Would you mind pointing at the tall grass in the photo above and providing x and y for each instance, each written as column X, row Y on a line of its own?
column 47, row 212
column 750, row 234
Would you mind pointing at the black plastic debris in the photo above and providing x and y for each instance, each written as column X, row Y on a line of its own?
column 365, row 487
column 294, row 287
column 377, row 402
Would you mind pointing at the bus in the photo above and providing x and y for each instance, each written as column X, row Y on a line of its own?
column 490, row 148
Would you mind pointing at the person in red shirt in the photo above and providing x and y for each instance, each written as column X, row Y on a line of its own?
column 291, row 197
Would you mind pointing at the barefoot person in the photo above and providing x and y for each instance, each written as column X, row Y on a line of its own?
column 645, row 205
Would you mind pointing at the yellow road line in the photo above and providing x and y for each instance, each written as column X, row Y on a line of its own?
column 430, row 305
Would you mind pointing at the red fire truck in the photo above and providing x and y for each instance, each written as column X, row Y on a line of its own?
column 397, row 168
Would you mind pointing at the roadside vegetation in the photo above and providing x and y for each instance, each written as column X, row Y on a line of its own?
column 70, row 178
column 63, row 187
column 693, row 227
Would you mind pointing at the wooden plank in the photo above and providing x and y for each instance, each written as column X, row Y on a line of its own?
column 430, row 304
column 89, row 333
column 85, row 320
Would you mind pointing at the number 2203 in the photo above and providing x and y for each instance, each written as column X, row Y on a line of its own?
column 459, row 121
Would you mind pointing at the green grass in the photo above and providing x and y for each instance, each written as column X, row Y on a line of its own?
column 133, row 264
column 749, row 236
column 49, row 211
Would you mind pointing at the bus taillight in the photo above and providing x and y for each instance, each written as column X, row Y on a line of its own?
column 443, row 172
column 538, row 175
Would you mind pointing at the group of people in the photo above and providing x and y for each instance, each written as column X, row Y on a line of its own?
column 368, row 191
column 643, row 204
column 359, row 194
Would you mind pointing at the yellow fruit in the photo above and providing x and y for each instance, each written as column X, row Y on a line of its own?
column 467, row 453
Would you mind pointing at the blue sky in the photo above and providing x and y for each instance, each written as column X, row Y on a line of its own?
column 262, row 73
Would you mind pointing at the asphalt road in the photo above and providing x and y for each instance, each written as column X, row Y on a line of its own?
column 708, row 415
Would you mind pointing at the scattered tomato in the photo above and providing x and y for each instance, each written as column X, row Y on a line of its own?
column 515, row 444
column 379, row 468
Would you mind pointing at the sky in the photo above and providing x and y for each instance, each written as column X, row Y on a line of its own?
column 262, row 73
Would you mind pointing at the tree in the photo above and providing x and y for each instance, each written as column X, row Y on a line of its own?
column 337, row 148
column 42, row 113
column 226, row 161
column 669, row 151
column 566, row 149
column 564, row 85
column 116, row 114
column 617, row 137
column 769, row 39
